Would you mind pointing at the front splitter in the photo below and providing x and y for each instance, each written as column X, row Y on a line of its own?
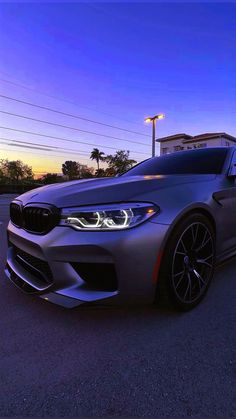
column 61, row 300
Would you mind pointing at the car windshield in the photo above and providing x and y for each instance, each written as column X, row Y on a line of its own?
column 184, row 162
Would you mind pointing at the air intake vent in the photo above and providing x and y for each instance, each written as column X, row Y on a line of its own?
column 37, row 267
column 99, row 276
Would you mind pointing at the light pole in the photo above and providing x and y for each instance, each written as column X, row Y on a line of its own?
column 153, row 120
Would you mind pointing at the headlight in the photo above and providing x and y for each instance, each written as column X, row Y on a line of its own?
column 107, row 217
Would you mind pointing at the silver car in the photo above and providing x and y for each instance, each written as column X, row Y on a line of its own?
column 155, row 233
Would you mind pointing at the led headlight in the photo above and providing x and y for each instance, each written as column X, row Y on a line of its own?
column 107, row 217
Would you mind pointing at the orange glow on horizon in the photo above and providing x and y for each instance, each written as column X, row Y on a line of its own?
column 44, row 163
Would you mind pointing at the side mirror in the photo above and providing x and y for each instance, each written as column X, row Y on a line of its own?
column 232, row 170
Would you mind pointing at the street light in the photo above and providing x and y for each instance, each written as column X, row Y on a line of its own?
column 153, row 120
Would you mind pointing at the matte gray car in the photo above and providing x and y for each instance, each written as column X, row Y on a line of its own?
column 154, row 233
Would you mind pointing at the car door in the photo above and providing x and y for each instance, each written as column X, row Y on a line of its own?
column 232, row 180
column 226, row 215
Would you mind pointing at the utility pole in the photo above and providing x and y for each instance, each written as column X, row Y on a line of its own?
column 153, row 120
column 153, row 137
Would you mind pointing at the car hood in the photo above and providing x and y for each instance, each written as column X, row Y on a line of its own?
column 106, row 190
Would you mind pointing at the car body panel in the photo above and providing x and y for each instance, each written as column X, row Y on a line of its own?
column 60, row 250
column 107, row 190
column 135, row 252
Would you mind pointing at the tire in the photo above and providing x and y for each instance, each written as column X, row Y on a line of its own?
column 188, row 263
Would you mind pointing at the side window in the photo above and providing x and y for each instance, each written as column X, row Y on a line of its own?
column 234, row 158
column 233, row 165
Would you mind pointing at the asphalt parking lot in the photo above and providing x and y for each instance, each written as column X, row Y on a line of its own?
column 116, row 361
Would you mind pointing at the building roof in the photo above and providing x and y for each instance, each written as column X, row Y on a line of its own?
column 174, row 137
column 210, row 136
column 190, row 138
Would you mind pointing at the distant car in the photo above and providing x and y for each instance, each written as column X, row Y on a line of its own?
column 155, row 232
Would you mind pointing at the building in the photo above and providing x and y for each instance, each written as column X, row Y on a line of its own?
column 180, row 142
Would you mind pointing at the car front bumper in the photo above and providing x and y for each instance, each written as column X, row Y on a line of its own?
column 50, row 265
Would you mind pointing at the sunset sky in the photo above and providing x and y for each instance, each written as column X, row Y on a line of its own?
column 113, row 64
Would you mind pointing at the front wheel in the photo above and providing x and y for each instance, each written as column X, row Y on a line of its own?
column 188, row 263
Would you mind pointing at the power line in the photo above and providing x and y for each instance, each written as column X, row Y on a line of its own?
column 26, row 146
column 71, row 128
column 44, row 149
column 71, row 115
column 27, row 142
column 38, row 154
column 65, row 139
column 38, row 146
column 62, row 100
column 41, row 154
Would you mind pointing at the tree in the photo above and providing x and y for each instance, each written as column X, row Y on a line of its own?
column 3, row 171
column 100, row 173
column 84, row 171
column 15, row 171
column 110, row 171
column 49, row 178
column 120, row 162
column 97, row 155
column 70, row 169
column 76, row 170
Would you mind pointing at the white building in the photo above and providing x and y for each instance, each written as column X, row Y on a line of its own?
column 179, row 142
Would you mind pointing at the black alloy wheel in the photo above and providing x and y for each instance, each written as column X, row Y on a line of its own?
column 188, row 263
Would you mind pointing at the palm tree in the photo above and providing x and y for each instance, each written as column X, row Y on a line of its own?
column 97, row 155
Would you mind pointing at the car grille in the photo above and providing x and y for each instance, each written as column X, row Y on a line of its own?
column 37, row 267
column 39, row 219
column 16, row 214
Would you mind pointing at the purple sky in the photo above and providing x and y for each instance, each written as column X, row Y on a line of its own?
column 114, row 63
